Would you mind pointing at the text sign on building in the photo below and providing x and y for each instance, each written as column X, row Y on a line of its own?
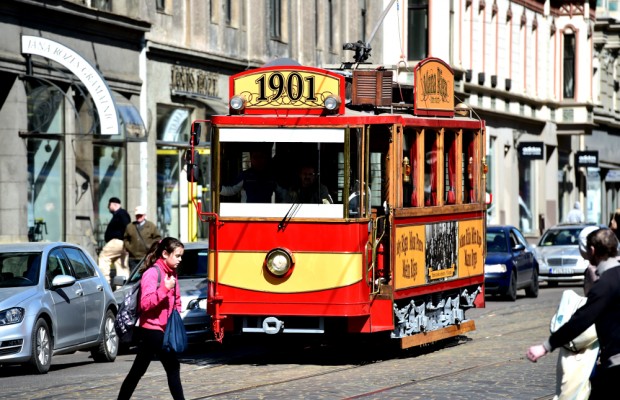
column 295, row 89
column 86, row 73
column 433, row 92
column 532, row 150
column 586, row 158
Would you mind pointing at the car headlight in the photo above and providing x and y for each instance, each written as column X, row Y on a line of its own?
column 495, row 268
column 13, row 315
column 279, row 262
column 582, row 263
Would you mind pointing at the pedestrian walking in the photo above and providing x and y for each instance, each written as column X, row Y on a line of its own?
column 575, row 216
column 602, row 308
column 158, row 292
column 113, row 252
column 139, row 236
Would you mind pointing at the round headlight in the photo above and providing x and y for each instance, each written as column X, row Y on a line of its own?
column 237, row 103
column 332, row 103
column 279, row 262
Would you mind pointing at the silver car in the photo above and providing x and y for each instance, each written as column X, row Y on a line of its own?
column 558, row 255
column 192, row 278
column 53, row 300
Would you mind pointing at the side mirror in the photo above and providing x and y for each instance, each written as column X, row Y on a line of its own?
column 194, row 138
column 193, row 172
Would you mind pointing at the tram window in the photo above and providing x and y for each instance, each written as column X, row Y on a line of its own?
column 450, row 167
column 468, row 168
column 410, row 184
column 430, row 168
column 291, row 174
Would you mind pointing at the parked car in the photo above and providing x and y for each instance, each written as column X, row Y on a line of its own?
column 192, row 278
column 510, row 263
column 53, row 300
column 558, row 255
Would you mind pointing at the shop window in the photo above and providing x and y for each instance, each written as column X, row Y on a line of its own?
column 172, row 187
column 45, row 162
column 417, row 29
column 109, row 180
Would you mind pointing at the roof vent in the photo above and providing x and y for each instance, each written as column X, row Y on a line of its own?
column 372, row 88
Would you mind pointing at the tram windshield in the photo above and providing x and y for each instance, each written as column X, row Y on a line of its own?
column 286, row 173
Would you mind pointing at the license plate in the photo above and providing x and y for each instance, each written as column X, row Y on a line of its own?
column 561, row 271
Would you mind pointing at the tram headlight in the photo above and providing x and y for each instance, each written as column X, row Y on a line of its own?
column 332, row 103
column 279, row 262
column 237, row 103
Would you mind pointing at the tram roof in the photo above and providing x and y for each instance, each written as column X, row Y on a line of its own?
column 351, row 117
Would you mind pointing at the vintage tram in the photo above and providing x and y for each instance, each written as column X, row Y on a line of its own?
column 342, row 202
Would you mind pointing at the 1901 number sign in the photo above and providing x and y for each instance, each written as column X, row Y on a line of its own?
column 295, row 89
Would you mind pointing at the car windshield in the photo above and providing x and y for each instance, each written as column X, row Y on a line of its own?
column 496, row 242
column 560, row 237
column 193, row 265
column 19, row 269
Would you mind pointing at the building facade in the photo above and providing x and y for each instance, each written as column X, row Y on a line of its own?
column 97, row 97
column 532, row 70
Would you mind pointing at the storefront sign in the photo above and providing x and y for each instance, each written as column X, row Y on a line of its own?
column 531, row 150
column 191, row 81
column 586, row 159
column 86, row 73
column 434, row 88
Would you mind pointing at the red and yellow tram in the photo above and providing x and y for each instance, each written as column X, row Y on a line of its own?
column 343, row 202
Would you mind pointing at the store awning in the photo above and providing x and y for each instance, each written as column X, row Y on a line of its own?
column 217, row 106
column 613, row 175
column 130, row 120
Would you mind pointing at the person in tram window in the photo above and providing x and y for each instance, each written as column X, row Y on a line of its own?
column 307, row 188
column 256, row 184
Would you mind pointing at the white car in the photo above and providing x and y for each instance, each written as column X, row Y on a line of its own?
column 558, row 256
column 53, row 300
column 192, row 278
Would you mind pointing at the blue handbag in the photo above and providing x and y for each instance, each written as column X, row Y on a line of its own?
column 175, row 337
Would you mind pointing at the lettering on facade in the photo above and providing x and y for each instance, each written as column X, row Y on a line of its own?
column 185, row 80
column 86, row 73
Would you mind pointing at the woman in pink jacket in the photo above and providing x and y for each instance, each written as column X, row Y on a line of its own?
column 156, row 303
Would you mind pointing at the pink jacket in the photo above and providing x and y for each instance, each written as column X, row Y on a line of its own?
column 156, row 302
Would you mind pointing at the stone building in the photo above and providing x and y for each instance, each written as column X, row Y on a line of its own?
column 97, row 96
column 526, row 67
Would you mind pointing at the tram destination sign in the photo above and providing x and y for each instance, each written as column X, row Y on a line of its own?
column 433, row 93
column 294, row 89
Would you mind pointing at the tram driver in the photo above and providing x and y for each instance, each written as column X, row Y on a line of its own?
column 307, row 189
column 256, row 184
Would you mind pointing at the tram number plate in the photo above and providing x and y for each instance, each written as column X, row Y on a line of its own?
column 558, row 271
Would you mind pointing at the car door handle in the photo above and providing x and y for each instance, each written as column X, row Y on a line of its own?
column 79, row 292
column 100, row 288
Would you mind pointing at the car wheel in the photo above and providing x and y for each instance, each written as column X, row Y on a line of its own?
column 532, row 290
column 511, row 291
column 41, row 357
column 108, row 348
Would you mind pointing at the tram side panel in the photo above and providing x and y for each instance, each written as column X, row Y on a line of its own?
column 438, row 273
